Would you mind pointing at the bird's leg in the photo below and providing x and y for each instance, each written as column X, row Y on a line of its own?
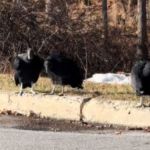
column 32, row 89
column 53, row 89
column 62, row 91
column 141, row 104
column 21, row 89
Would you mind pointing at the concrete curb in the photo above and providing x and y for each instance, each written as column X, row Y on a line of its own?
column 116, row 112
column 83, row 108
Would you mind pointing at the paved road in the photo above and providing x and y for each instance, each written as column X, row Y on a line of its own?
column 14, row 139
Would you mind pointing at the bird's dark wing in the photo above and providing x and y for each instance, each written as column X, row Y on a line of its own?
column 16, row 78
column 64, row 69
column 19, row 64
column 36, row 67
column 137, row 76
column 146, row 70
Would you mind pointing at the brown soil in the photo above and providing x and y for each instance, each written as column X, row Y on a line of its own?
column 18, row 121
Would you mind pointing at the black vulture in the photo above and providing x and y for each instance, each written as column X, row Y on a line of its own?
column 140, row 77
column 27, row 68
column 63, row 71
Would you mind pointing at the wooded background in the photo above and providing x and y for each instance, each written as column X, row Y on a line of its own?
column 101, row 35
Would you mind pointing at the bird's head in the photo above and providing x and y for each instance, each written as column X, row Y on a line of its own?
column 30, row 53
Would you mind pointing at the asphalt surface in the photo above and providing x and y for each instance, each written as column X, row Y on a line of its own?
column 15, row 139
column 31, row 133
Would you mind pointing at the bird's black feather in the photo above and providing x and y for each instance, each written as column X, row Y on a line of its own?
column 63, row 70
column 27, row 70
column 140, row 77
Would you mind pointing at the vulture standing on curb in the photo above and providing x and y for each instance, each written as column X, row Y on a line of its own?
column 140, row 77
column 63, row 71
column 27, row 68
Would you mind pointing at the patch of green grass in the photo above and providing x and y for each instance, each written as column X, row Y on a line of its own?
column 105, row 91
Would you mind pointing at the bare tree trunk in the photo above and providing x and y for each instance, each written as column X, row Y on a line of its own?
column 47, row 2
column 142, row 22
column 142, row 28
column 105, row 20
column 148, row 9
column 131, row 3
column 16, row 3
column 87, row 2
column 57, row 12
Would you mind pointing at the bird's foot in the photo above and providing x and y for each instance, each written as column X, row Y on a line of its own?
column 20, row 93
column 140, row 105
column 51, row 93
column 33, row 92
column 61, row 94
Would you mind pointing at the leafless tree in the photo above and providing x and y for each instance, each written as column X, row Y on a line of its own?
column 131, row 3
column 105, row 20
column 57, row 12
column 142, row 27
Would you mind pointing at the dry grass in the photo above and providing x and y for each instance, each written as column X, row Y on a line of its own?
column 105, row 91
column 111, row 91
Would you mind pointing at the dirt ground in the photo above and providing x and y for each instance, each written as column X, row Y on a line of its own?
column 18, row 121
